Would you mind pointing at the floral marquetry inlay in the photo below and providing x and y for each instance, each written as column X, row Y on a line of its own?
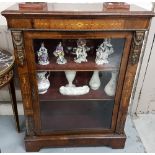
column 79, row 24
column 25, row 88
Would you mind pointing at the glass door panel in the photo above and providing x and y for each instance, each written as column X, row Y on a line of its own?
column 77, row 80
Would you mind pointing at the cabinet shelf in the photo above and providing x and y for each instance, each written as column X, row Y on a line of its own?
column 57, row 79
column 54, row 94
column 114, row 62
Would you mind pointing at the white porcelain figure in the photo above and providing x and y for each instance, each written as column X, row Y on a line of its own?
column 43, row 82
column 59, row 52
column 74, row 90
column 70, row 75
column 43, row 55
column 81, row 51
column 103, row 52
column 95, row 81
column 110, row 88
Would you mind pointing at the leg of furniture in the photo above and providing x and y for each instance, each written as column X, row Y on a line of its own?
column 14, row 103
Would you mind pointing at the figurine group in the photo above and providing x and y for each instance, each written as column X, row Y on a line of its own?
column 81, row 51
column 102, row 53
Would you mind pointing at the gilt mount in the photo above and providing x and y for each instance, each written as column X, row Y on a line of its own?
column 18, row 45
column 136, row 46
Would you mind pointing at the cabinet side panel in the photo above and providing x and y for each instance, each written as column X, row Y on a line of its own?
column 18, row 42
column 129, row 79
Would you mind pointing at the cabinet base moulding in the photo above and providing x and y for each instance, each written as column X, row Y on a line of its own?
column 34, row 144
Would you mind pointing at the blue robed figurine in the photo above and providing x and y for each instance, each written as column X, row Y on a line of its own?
column 43, row 58
column 59, row 52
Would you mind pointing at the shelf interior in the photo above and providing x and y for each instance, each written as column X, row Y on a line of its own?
column 58, row 79
column 92, row 111
column 69, row 44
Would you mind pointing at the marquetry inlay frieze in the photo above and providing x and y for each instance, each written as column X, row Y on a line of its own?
column 78, row 24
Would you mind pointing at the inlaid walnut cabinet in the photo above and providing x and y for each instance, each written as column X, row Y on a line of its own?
column 96, row 118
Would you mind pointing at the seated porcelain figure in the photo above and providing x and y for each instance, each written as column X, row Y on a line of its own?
column 43, row 55
column 103, row 52
column 81, row 51
column 59, row 52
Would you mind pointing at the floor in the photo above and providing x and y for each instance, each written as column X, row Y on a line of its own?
column 12, row 142
column 145, row 125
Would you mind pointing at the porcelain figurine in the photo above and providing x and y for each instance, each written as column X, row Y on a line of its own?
column 81, row 51
column 43, row 82
column 70, row 75
column 74, row 90
column 103, row 52
column 110, row 88
column 59, row 52
column 43, row 55
column 95, row 82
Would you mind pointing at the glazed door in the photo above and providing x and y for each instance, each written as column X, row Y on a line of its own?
column 76, row 79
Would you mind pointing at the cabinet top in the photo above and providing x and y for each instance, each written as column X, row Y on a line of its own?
column 68, row 9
